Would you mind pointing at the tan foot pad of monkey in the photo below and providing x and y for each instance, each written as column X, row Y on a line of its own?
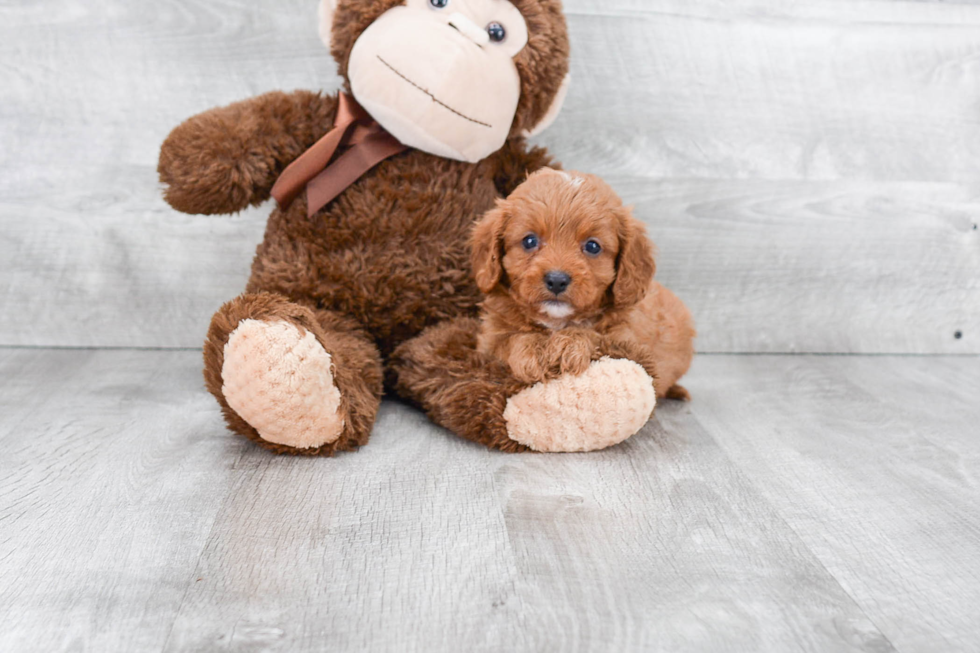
column 603, row 406
column 280, row 380
column 369, row 245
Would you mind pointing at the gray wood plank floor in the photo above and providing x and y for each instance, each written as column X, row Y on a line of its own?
column 799, row 503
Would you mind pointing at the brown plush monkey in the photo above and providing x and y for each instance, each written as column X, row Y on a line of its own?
column 339, row 296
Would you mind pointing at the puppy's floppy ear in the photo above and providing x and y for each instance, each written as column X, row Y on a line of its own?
column 634, row 265
column 488, row 248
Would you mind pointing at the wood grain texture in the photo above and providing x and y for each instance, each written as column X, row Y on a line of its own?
column 875, row 464
column 399, row 547
column 799, row 503
column 762, row 89
column 661, row 544
column 113, row 469
column 789, row 156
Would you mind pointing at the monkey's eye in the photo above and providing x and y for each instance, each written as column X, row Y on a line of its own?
column 592, row 248
column 496, row 31
column 530, row 242
column 438, row 4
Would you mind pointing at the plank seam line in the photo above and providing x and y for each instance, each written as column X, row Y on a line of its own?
column 200, row 555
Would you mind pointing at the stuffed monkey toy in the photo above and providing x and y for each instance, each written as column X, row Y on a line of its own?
column 363, row 280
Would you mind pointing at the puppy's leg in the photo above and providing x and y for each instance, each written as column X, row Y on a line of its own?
column 527, row 356
column 534, row 357
column 571, row 351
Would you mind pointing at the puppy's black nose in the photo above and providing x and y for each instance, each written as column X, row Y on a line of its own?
column 557, row 281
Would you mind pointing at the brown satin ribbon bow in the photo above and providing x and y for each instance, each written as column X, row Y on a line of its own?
column 363, row 144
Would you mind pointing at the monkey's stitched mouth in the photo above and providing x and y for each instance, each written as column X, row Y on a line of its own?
column 433, row 97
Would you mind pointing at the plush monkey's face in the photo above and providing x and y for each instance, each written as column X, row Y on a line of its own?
column 446, row 76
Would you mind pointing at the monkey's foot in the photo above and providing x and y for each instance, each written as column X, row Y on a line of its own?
column 279, row 379
column 600, row 408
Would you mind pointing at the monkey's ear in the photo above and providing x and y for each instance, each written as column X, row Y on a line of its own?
column 635, row 266
column 327, row 8
column 488, row 246
column 552, row 114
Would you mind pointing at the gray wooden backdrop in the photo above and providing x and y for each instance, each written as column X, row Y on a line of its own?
column 808, row 169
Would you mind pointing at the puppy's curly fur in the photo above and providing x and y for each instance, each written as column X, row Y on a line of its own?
column 568, row 274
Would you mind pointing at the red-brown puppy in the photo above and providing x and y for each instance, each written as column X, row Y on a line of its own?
column 568, row 274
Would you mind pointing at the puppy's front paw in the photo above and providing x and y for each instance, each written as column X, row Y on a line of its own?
column 571, row 352
column 528, row 368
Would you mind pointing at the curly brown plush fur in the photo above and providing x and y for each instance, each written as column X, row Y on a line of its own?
column 386, row 259
column 460, row 388
column 227, row 159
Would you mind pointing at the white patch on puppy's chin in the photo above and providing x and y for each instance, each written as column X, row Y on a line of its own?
column 557, row 310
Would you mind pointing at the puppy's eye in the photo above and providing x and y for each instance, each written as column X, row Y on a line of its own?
column 592, row 248
column 530, row 242
column 438, row 4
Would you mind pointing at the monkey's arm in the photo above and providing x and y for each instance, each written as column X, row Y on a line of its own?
column 516, row 161
column 226, row 159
